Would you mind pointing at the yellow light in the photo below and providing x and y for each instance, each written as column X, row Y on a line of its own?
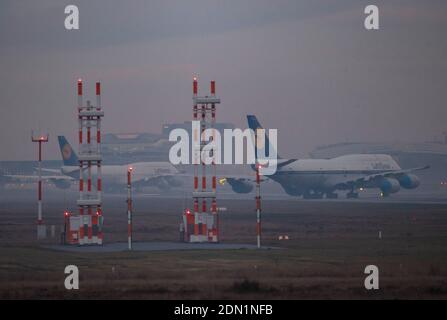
column 222, row 181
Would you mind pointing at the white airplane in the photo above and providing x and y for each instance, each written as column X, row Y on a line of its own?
column 114, row 177
column 316, row 178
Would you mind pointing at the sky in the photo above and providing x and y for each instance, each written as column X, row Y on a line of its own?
column 307, row 68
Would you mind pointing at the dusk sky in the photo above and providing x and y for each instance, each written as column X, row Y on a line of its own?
column 307, row 68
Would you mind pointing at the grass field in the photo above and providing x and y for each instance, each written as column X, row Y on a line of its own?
column 330, row 245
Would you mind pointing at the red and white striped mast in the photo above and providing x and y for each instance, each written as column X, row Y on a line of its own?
column 196, row 153
column 258, row 205
column 98, row 146
column 41, row 230
column 204, row 111
column 129, row 208
column 214, row 179
column 89, row 117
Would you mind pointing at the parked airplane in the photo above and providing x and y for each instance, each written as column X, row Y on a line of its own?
column 316, row 178
column 114, row 177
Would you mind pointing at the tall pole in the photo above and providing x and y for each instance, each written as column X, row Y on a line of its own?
column 215, row 155
column 129, row 207
column 258, row 206
column 206, row 224
column 40, row 226
column 90, row 200
column 196, row 157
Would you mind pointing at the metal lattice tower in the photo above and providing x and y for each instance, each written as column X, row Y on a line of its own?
column 206, row 222
column 90, row 200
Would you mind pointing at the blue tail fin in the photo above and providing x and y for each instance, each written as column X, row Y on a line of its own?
column 68, row 155
column 254, row 124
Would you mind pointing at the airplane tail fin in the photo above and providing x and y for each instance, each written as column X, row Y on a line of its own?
column 254, row 124
column 69, row 156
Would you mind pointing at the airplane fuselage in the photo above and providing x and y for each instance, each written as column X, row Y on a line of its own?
column 325, row 175
column 117, row 174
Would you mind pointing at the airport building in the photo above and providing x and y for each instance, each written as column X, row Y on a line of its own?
column 117, row 148
column 138, row 147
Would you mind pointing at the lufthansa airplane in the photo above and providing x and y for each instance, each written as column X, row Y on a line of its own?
column 153, row 174
column 316, row 178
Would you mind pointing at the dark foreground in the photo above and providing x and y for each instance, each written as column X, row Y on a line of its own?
column 330, row 245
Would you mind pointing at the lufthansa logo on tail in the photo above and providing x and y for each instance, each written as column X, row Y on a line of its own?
column 66, row 152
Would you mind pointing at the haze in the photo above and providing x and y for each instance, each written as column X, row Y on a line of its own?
column 307, row 68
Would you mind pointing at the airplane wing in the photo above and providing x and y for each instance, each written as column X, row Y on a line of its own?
column 25, row 178
column 50, row 170
column 60, row 181
column 240, row 184
column 362, row 181
column 162, row 182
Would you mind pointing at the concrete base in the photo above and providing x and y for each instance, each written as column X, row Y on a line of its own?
column 156, row 246
column 41, row 231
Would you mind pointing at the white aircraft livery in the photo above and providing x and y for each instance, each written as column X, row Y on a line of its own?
column 316, row 178
column 153, row 174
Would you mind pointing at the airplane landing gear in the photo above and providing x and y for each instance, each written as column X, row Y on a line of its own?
column 331, row 195
column 352, row 195
column 313, row 195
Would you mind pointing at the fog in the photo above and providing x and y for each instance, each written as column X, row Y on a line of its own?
column 309, row 69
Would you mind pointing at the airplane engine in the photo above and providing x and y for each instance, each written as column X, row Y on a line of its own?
column 173, row 181
column 292, row 191
column 162, row 184
column 61, row 184
column 158, row 182
column 409, row 181
column 389, row 185
column 240, row 185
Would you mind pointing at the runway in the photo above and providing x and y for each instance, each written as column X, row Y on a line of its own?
column 155, row 246
column 329, row 244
